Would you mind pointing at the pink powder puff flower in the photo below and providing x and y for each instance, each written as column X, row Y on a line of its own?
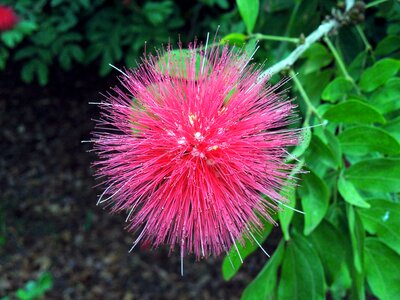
column 8, row 18
column 188, row 143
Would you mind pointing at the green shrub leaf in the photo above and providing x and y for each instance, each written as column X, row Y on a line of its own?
column 264, row 285
column 383, row 219
column 314, row 199
column 393, row 127
column 302, row 276
column 357, row 235
column 375, row 175
column 286, row 214
column 378, row 74
column 382, row 269
column 317, row 57
column 302, row 147
column 353, row 111
column 245, row 250
column 337, row 89
column 326, row 236
column 388, row 45
column 350, row 193
column 361, row 140
column 237, row 39
column 248, row 10
column 322, row 153
column 175, row 62
column 387, row 98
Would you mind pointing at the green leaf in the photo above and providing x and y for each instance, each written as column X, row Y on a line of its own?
column 42, row 73
column 237, row 39
column 248, row 10
column 85, row 3
column 3, row 57
column 77, row 53
column 387, row 98
column 353, row 111
column 26, row 52
column 322, row 152
column 106, row 60
column 358, row 64
column 317, row 57
column 383, row 219
column 299, row 150
column 286, row 214
column 176, row 62
column 264, row 285
column 334, row 146
column 45, row 37
column 302, row 274
column 357, row 235
column 26, row 27
column 37, row 67
column 65, row 59
column 314, row 199
column 11, row 38
column 158, row 12
column 350, row 193
column 382, row 268
column 379, row 74
column 388, row 45
column 337, row 89
column 324, row 237
column 375, row 175
column 245, row 250
column 393, row 126
column 36, row 289
column 361, row 140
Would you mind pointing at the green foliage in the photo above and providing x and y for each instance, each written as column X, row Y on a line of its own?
column 34, row 289
column 248, row 9
column 383, row 220
column 337, row 89
column 180, row 60
column 237, row 39
column 382, row 269
column 62, row 34
column 353, row 111
column 361, row 140
column 264, row 285
column 314, row 196
column 302, row 274
column 379, row 74
column 346, row 245
column 233, row 261
column 376, row 175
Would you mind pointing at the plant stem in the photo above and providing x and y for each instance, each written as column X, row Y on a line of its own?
column 260, row 36
column 337, row 57
column 340, row 63
column 307, row 101
column 368, row 46
column 374, row 3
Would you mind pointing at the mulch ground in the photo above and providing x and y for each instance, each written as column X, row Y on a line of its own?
column 48, row 199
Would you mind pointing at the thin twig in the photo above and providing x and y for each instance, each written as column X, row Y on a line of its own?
column 316, row 35
column 259, row 36
column 307, row 100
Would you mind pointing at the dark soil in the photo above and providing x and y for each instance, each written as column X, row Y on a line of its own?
column 48, row 198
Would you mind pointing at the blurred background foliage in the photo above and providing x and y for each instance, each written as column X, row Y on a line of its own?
column 347, row 243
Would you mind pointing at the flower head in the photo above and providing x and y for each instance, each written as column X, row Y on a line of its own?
column 8, row 18
column 188, row 143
